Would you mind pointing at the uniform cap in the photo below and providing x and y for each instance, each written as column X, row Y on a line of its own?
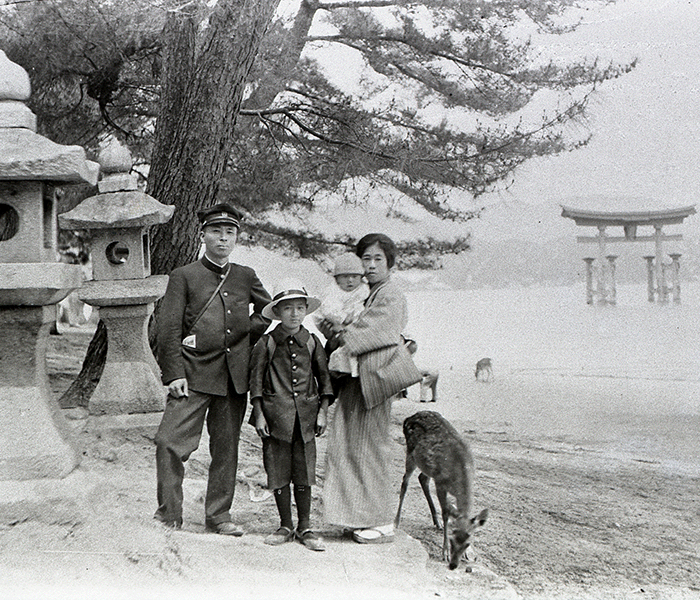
column 222, row 213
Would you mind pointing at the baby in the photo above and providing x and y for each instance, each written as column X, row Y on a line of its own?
column 342, row 304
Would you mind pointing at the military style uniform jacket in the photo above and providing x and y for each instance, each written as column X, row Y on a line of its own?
column 290, row 382
column 218, row 347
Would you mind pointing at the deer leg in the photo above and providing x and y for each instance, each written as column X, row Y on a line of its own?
column 410, row 467
column 433, row 388
column 424, row 481
column 445, row 509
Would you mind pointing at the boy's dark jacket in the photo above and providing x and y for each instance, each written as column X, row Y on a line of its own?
column 293, row 384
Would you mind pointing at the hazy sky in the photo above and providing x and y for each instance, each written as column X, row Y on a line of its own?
column 646, row 125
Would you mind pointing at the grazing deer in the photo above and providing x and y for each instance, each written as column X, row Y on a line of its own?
column 484, row 368
column 435, row 447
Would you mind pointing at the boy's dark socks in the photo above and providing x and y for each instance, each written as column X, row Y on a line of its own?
column 283, row 499
column 302, row 496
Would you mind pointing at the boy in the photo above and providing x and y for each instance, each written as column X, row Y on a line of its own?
column 290, row 390
column 205, row 333
column 341, row 305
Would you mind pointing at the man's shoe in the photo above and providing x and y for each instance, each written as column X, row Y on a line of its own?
column 225, row 528
column 169, row 524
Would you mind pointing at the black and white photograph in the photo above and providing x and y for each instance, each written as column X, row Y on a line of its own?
column 360, row 299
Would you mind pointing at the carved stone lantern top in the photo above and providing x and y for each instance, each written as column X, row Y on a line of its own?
column 120, row 204
column 29, row 166
column 24, row 154
column 119, row 216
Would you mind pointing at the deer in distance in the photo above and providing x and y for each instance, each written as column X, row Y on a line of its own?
column 484, row 367
column 438, row 451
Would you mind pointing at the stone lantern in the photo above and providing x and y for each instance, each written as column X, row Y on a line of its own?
column 35, row 441
column 123, row 288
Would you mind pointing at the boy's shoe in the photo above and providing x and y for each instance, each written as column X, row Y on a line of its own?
column 309, row 539
column 281, row 536
column 225, row 528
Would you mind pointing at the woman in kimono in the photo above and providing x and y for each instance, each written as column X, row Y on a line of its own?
column 358, row 491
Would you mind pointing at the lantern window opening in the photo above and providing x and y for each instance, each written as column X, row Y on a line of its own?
column 145, row 238
column 48, row 215
column 117, row 252
column 9, row 222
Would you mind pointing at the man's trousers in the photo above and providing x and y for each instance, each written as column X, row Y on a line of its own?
column 178, row 436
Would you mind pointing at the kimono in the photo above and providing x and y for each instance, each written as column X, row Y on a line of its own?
column 358, row 491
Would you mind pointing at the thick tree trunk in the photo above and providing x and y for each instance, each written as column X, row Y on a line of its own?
column 202, row 95
column 282, row 64
column 202, row 89
column 79, row 392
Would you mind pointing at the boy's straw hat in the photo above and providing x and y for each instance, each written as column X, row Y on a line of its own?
column 288, row 289
column 348, row 264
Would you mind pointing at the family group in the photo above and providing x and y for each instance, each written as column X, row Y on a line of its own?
column 214, row 352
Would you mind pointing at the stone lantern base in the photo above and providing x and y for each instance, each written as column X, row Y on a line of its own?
column 49, row 500
column 35, row 440
column 130, row 381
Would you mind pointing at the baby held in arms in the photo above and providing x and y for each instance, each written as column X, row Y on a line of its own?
column 341, row 305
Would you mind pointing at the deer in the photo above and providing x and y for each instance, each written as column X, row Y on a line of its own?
column 438, row 451
column 484, row 366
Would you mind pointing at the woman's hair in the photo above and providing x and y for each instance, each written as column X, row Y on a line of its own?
column 383, row 241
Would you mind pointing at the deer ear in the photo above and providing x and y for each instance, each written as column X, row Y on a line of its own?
column 480, row 519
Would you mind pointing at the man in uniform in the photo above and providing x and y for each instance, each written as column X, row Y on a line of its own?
column 205, row 333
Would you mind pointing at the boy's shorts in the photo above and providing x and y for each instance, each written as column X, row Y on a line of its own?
column 287, row 463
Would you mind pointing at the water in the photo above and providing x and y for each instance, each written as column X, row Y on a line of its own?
column 622, row 379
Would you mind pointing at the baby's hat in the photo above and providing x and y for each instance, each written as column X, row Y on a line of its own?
column 348, row 264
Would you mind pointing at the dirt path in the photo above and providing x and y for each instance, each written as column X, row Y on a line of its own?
column 565, row 522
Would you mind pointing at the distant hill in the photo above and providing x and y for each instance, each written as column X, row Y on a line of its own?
column 515, row 244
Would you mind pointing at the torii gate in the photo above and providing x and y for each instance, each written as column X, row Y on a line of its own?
column 630, row 221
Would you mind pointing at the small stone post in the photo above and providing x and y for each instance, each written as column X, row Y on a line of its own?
column 589, row 279
column 123, row 287
column 650, row 278
column 36, row 448
column 612, row 297
column 676, row 276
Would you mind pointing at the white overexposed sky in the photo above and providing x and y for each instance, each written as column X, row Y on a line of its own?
column 645, row 125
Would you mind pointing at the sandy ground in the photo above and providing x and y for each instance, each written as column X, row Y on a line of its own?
column 586, row 444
